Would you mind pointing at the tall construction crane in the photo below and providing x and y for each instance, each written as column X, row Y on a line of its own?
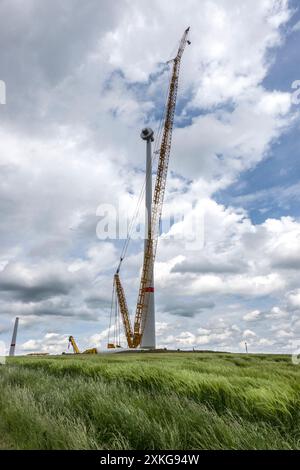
column 134, row 334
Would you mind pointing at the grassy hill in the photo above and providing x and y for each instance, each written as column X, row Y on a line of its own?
column 150, row 401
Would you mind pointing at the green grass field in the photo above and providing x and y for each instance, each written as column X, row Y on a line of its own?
column 150, row 401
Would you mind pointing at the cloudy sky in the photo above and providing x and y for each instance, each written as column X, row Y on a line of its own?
column 82, row 79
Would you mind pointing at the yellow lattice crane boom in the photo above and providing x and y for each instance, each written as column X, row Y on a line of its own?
column 74, row 345
column 134, row 336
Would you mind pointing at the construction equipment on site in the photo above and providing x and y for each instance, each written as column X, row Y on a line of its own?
column 38, row 354
column 113, row 346
column 134, row 334
column 14, row 338
column 76, row 350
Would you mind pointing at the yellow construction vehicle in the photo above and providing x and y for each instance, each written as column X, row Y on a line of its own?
column 72, row 342
column 90, row 351
column 113, row 346
column 134, row 332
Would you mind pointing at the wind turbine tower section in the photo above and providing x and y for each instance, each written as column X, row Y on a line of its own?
column 148, row 316
column 14, row 338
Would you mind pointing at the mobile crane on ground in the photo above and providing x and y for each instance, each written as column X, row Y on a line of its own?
column 76, row 350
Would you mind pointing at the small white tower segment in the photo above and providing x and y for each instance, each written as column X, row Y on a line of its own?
column 148, row 320
column 14, row 338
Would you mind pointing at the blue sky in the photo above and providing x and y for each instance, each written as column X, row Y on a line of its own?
column 281, row 169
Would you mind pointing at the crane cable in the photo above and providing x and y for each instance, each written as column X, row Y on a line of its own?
column 111, row 312
column 142, row 192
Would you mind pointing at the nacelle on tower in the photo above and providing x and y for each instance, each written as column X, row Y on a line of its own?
column 147, row 134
